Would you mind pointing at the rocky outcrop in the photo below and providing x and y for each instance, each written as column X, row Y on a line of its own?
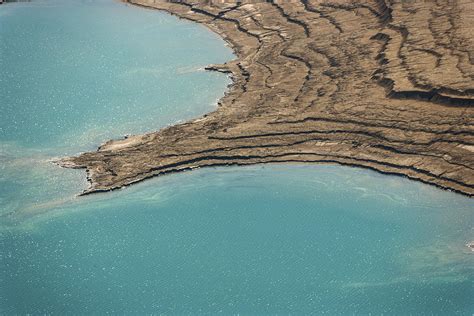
column 378, row 84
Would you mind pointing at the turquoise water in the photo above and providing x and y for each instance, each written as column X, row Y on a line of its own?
column 255, row 240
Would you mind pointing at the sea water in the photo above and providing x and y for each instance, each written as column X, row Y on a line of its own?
column 274, row 239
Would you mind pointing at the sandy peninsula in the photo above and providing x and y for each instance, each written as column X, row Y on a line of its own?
column 386, row 85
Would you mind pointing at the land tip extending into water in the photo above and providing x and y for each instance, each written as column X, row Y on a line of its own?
column 386, row 85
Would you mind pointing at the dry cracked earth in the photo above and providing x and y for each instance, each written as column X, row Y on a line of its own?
column 386, row 85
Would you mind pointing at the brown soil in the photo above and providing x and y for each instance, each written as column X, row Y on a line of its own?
column 386, row 85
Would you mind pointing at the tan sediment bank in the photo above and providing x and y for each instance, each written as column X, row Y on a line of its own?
column 386, row 85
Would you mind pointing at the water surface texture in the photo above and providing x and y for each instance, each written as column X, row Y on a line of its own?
column 273, row 239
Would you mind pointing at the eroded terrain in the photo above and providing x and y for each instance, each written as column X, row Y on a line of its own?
column 386, row 85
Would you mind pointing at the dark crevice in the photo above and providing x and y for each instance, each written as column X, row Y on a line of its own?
column 291, row 19
column 323, row 15
column 377, row 134
column 352, row 7
column 309, row 140
column 367, row 124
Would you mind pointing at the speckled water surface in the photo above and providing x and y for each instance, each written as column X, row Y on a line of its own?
column 276, row 239
column 74, row 74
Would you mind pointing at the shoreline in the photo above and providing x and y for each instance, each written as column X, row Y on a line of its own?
column 298, row 99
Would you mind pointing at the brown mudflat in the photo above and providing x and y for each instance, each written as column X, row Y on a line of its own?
column 386, row 85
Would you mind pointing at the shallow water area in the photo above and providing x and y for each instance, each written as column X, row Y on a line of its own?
column 273, row 239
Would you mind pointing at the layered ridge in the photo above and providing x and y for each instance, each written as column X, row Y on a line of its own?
column 376, row 84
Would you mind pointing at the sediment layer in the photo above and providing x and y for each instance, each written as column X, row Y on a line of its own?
column 384, row 85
